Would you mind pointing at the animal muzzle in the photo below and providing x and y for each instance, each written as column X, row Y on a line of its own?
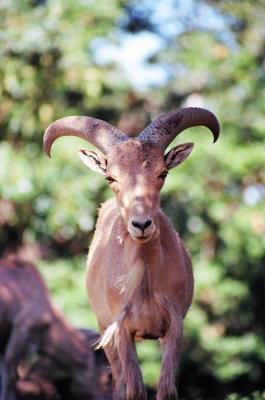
column 141, row 229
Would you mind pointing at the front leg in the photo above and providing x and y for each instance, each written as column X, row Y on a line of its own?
column 115, row 365
column 131, row 373
column 111, row 353
column 171, row 347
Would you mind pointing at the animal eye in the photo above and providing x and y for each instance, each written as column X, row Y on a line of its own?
column 110, row 179
column 163, row 175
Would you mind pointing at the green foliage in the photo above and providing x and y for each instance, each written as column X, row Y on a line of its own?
column 46, row 65
column 65, row 279
column 44, row 186
column 215, row 199
column 254, row 396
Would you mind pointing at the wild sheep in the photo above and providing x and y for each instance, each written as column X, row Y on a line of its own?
column 33, row 335
column 139, row 274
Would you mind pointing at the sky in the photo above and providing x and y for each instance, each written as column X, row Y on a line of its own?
column 169, row 18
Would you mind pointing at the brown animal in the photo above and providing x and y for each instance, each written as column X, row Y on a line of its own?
column 35, row 337
column 47, row 379
column 139, row 274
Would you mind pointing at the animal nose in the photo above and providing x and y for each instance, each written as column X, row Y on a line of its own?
column 142, row 225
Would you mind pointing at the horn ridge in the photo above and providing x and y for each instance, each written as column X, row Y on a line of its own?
column 167, row 126
column 99, row 133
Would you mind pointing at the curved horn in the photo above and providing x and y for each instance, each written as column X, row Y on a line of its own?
column 168, row 125
column 99, row 133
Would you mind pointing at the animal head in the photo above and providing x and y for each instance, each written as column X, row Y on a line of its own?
column 135, row 168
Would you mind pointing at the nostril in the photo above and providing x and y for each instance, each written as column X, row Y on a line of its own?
column 142, row 225
column 147, row 223
column 137, row 224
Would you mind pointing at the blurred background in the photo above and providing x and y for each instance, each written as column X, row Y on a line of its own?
column 126, row 62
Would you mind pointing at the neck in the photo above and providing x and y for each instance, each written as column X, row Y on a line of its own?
column 141, row 262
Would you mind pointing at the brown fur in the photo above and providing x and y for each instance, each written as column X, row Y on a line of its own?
column 47, row 379
column 35, row 337
column 138, row 288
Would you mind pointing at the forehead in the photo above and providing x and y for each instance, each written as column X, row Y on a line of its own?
column 136, row 156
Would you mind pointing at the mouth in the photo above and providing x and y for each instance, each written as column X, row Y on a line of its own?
column 141, row 239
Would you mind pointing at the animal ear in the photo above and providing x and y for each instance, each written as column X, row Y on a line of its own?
column 178, row 154
column 97, row 162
